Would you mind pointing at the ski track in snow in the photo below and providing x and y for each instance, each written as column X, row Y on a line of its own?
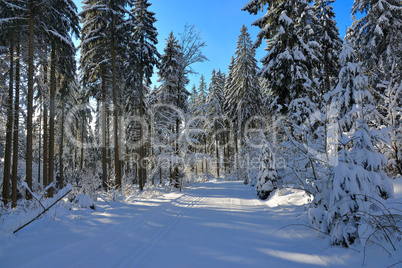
column 214, row 224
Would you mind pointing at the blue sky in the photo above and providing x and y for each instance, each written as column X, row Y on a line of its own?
column 219, row 22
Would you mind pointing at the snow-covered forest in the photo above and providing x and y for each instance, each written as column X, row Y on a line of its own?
column 315, row 129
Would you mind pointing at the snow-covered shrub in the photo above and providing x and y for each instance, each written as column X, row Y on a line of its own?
column 85, row 201
column 267, row 177
column 83, row 183
column 357, row 180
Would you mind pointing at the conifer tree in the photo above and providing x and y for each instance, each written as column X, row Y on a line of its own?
column 143, row 57
column 327, row 36
column 377, row 36
column 103, row 42
column 352, row 85
column 173, row 92
column 216, row 102
column 202, row 92
column 358, row 181
column 267, row 177
column 243, row 95
column 193, row 98
column 288, row 66
column 62, row 20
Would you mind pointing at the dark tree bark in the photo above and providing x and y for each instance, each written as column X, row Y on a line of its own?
column 52, row 97
column 16, row 129
column 117, row 169
column 103, row 133
column 9, row 128
column 30, row 110
column 61, row 149
column 45, row 139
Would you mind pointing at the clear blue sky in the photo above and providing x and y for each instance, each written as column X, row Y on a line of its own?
column 219, row 22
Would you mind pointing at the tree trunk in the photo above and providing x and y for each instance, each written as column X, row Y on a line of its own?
column 52, row 115
column 40, row 142
column 16, row 129
column 176, row 174
column 217, row 152
column 9, row 128
column 237, row 157
column 103, row 133
column 142, row 170
column 108, row 149
column 45, row 142
column 117, row 169
column 160, row 175
column 82, row 143
column 127, row 161
column 61, row 149
column 30, row 109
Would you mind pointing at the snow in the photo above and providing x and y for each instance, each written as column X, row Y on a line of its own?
column 398, row 188
column 213, row 224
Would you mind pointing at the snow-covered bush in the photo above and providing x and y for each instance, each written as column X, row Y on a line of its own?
column 267, row 177
column 85, row 201
column 357, row 180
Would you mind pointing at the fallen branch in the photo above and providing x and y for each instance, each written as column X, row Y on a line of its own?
column 44, row 211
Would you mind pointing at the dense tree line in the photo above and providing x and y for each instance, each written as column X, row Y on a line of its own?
column 335, row 103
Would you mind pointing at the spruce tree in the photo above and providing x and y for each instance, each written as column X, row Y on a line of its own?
column 244, row 96
column 143, row 56
column 244, row 99
column 377, row 36
column 216, row 102
column 352, row 85
column 288, row 66
column 103, row 44
column 58, row 26
column 173, row 92
column 267, row 177
column 358, row 182
column 327, row 36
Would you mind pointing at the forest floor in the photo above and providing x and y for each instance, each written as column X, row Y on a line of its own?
column 213, row 224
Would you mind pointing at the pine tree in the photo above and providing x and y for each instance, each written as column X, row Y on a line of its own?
column 193, row 98
column 327, row 36
column 173, row 92
column 358, row 181
column 244, row 99
column 7, row 32
column 103, row 42
column 58, row 27
column 377, row 36
column 288, row 66
column 244, row 96
column 143, row 57
column 352, row 85
column 202, row 92
column 267, row 177
column 216, row 102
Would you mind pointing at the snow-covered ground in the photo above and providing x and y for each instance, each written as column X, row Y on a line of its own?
column 214, row 224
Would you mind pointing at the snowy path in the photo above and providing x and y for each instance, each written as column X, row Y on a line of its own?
column 215, row 224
